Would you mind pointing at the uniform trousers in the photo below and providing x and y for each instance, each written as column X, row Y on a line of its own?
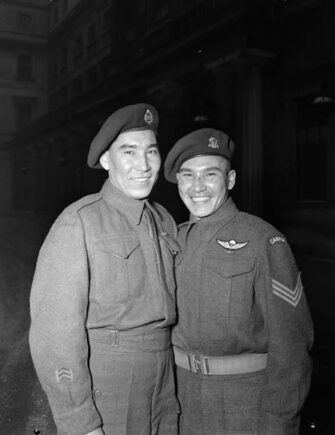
column 219, row 404
column 133, row 382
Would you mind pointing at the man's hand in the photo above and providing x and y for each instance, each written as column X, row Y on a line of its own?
column 98, row 431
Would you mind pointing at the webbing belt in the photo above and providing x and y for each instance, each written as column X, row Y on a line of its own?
column 153, row 340
column 220, row 365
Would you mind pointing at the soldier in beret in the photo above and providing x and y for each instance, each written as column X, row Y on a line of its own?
column 244, row 330
column 102, row 299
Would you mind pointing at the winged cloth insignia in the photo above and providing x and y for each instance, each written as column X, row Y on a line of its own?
column 231, row 244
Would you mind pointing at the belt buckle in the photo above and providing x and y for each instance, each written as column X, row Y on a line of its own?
column 114, row 338
column 199, row 364
column 194, row 362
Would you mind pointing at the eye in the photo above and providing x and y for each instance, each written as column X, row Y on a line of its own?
column 129, row 152
column 153, row 151
column 211, row 174
column 186, row 175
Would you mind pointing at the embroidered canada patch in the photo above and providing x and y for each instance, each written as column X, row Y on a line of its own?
column 291, row 296
column 231, row 244
column 277, row 239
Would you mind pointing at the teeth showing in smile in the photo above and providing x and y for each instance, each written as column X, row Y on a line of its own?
column 141, row 180
column 200, row 198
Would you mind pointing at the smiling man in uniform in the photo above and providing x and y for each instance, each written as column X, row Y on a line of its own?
column 102, row 299
column 244, row 330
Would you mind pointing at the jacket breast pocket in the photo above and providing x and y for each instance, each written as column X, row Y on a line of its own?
column 118, row 268
column 230, row 285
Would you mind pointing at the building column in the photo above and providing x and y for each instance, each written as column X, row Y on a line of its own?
column 240, row 94
column 250, row 131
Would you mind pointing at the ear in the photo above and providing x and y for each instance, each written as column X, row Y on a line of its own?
column 231, row 179
column 104, row 160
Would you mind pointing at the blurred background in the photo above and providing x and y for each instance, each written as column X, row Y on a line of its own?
column 261, row 70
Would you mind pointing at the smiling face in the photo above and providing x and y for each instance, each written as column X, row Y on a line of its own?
column 133, row 162
column 204, row 183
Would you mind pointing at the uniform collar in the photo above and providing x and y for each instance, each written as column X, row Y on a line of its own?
column 130, row 207
column 211, row 224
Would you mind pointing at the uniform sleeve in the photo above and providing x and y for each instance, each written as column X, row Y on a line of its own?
column 289, row 331
column 58, row 341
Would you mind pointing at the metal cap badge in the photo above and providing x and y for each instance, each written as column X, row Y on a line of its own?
column 140, row 116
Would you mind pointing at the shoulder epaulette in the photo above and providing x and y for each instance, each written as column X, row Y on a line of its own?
column 83, row 202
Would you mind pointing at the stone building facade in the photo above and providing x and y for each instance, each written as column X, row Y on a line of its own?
column 23, row 70
column 262, row 71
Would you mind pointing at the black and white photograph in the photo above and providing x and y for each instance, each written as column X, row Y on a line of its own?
column 167, row 217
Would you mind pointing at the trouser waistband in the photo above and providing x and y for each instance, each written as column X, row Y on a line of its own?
column 152, row 340
column 220, row 365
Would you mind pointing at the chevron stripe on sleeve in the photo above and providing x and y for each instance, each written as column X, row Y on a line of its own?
column 291, row 296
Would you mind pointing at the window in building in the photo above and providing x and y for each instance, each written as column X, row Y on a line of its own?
column 91, row 77
column 53, row 100
column 106, row 20
column 24, row 71
column 5, row 67
column 77, row 86
column 312, row 151
column 63, row 63
column 55, row 16
column 162, row 12
column 91, row 38
column 24, row 111
column 64, row 7
column 24, row 21
column 78, row 49
column 54, row 66
column 106, row 28
column 158, row 12
column 62, row 96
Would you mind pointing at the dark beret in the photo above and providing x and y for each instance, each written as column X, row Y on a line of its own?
column 134, row 117
column 205, row 141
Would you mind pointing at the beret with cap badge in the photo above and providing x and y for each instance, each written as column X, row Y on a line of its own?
column 134, row 117
column 205, row 141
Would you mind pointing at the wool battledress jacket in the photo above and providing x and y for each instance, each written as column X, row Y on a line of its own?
column 96, row 269
column 239, row 292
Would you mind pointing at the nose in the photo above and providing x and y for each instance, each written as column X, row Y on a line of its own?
column 198, row 184
column 143, row 163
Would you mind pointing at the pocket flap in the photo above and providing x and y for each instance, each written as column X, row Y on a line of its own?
column 230, row 269
column 120, row 248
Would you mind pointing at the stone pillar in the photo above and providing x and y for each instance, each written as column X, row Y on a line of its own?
column 250, row 122
column 240, row 105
